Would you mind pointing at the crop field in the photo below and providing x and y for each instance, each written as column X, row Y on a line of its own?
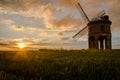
column 60, row 65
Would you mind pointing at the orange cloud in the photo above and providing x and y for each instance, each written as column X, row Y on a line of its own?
column 53, row 35
column 17, row 28
column 115, row 15
column 30, row 29
column 60, row 34
column 7, row 21
column 45, row 34
column 67, row 22
column 70, row 3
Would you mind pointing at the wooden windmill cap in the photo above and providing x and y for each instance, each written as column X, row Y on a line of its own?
column 102, row 19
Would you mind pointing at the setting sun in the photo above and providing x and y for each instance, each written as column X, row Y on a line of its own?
column 21, row 45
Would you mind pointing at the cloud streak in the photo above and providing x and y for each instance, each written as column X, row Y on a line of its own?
column 7, row 21
column 67, row 22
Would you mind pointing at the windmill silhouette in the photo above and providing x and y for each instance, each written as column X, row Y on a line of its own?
column 99, row 30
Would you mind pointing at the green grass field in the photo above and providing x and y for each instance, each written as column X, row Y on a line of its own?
column 60, row 65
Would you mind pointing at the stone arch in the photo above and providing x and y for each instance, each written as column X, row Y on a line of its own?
column 102, row 42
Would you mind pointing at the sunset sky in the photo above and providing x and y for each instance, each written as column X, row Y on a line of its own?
column 52, row 23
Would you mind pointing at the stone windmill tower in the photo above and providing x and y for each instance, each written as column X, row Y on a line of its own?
column 99, row 30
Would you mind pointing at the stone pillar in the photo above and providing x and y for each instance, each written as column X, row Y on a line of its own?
column 89, row 43
column 108, row 42
column 92, row 42
column 96, row 43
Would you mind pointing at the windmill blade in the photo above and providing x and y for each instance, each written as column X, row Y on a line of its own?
column 81, row 32
column 81, row 13
column 100, row 14
column 81, row 10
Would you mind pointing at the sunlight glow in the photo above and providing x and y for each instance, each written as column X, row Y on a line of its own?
column 21, row 45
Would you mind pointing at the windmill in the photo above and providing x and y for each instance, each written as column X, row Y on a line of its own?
column 99, row 30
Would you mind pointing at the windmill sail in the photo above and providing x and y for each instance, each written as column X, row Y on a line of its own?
column 100, row 14
column 83, row 14
column 81, row 32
